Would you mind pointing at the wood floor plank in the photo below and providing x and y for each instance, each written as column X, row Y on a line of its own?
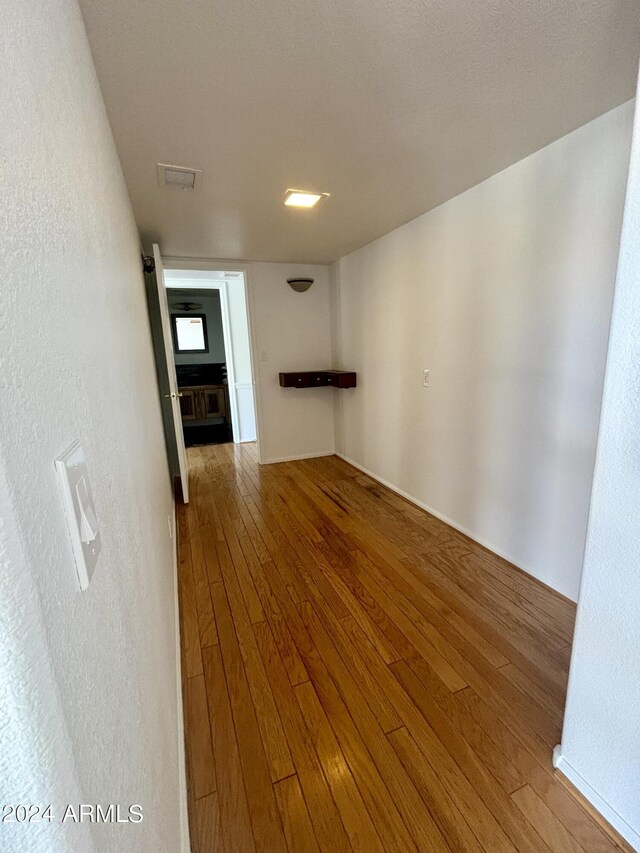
column 189, row 630
column 442, row 572
column 282, row 559
column 416, row 816
column 544, row 599
column 587, row 832
column 446, row 707
column 282, row 636
column 357, row 675
column 273, row 737
column 325, row 556
column 202, row 769
column 404, row 635
column 557, row 838
column 295, row 817
column 522, row 836
column 552, row 709
column 508, row 731
column 324, row 815
column 446, row 814
column 550, row 731
column 351, row 655
column 407, row 626
column 383, row 810
column 206, row 623
column 459, row 788
column 261, row 567
column 440, row 615
column 208, row 829
column 210, row 553
column 252, row 602
column 381, row 807
column 372, row 541
column 267, row 830
column 235, row 820
column 355, row 817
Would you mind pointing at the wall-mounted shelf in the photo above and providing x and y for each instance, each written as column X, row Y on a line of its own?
column 319, row 379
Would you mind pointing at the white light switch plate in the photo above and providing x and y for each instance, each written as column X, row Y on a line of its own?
column 80, row 511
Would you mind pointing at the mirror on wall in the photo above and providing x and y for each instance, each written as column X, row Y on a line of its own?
column 189, row 333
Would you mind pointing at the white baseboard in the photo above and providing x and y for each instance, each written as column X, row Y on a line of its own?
column 608, row 812
column 450, row 521
column 296, row 458
column 185, row 840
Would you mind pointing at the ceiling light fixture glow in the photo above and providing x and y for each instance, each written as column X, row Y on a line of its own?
column 302, row 198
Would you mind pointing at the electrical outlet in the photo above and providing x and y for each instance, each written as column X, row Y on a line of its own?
column 426, row 378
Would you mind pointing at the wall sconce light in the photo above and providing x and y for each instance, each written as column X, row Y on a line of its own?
column 300, row 285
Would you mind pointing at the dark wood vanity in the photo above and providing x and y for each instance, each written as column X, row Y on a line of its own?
column 204, row 400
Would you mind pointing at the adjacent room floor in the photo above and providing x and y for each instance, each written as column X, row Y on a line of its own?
column 359, row 676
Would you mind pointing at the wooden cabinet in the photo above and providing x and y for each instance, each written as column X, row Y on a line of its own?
column 203, row 403
column 187, row 404
column 214, row 403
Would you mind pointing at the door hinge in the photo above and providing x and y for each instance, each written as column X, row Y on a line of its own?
column 148, row 264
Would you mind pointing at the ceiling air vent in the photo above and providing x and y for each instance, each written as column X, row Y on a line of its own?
column 178, row 176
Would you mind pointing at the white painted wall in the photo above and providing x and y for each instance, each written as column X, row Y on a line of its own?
column 291, row 331
column 88, row 681
column 504, row 293
column 600, row 749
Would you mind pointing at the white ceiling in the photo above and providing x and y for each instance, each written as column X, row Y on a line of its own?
column 392, row 106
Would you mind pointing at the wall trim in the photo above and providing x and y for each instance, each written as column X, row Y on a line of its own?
column 185, row 841
column 619, row 824
column 297, row 458
column 459, row 527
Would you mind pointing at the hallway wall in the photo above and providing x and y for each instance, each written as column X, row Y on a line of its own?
column 600, row 750
column 504, row 294
column 88, row 681
column 291, row 331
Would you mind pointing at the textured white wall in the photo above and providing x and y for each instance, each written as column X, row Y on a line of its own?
column 88, row 680
column 293, row 331
column 601, row 737
column 36, row 758
column 504, row 293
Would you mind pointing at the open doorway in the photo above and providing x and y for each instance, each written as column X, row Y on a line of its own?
column 211, row 345
column 202, row 382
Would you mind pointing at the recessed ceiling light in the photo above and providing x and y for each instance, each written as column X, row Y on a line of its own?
column 302, row 198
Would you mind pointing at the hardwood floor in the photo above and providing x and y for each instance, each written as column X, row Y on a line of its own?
column 359, row 676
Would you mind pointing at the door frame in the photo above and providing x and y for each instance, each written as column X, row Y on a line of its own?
column 211, row 265
column 221, row 287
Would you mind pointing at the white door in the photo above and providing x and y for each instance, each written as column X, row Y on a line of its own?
column 167, row 337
